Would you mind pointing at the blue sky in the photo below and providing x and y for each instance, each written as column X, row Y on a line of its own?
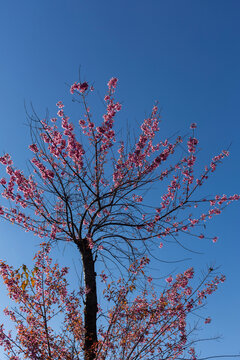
column 185, row 54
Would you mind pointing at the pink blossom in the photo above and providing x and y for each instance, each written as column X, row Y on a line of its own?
column 60, row 105
column 112, row 83
column 6, row 160
column 60, row 113
column 207, row 320
column 222, row 278
column 225, row 152
column 3, row 181
column 169, row 279
column 189, row 273
column 33, row 148
column 74, row 87
column 192, row 143
column 83, row 87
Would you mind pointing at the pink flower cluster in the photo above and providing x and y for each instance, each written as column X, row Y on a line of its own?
column 79, row 87
column 41, row 295
column 158, row 324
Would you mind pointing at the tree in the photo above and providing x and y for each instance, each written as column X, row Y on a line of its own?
column 49, row 323
column 93, row 192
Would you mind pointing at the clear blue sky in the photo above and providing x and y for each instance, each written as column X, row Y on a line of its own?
column 186, row 54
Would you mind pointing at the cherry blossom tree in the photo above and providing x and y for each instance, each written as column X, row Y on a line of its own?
column 49, row 323
column 89, row 188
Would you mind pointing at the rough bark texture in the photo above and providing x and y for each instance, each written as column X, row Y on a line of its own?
column 90, row 308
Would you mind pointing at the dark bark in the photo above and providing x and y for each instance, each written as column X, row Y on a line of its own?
column 90, row 306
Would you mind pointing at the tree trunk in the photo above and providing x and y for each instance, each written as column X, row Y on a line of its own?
column 90, row 308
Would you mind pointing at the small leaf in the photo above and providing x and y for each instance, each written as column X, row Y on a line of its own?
column 24, row 284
